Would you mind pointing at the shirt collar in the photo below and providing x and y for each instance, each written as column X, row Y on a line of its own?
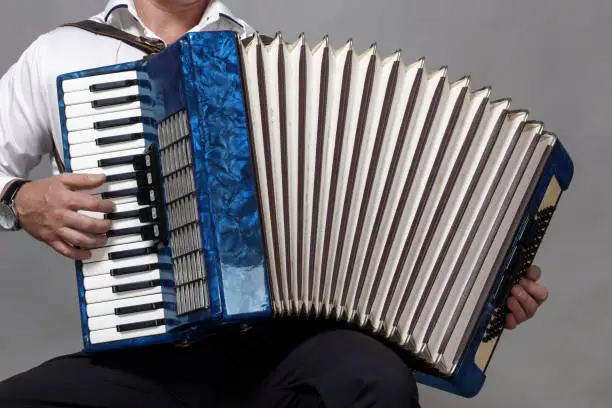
column 123, row 15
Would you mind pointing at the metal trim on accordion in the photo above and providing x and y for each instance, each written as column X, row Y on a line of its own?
column 261, row 179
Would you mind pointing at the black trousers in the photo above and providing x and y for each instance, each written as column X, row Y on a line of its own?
column 277, row 365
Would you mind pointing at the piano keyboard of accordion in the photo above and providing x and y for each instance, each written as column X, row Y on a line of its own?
column 258, row 179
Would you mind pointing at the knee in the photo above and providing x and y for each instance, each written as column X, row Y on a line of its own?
column 355, row 358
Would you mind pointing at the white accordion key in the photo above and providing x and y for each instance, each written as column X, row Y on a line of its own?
column 89, row 162
column 112, row 321
column 127, row 142
column 151, row 328
column 128, row 223
column 140, row 223
column 128, row 215
column 125, row 265
column 108, row 171
column 126, row 305
column 120, row 236
column 107, row 106
column 87, row 96
column 113, row 187
column 108, row 135
column 133, row 290
column 107, row 120
column 127, row 188
column 108, row 280
column 104, row 82
column 122, row 251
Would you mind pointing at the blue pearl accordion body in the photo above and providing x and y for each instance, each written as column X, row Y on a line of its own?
column 206, row 145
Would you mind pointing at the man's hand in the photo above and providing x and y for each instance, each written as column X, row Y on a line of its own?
column 526, row 298
column 47, row 210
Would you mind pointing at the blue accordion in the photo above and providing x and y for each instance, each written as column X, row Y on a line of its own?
column 260, row 179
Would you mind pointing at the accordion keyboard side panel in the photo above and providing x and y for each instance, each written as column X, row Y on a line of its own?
column 470, row 372
column 228, row 196
column 195, row 281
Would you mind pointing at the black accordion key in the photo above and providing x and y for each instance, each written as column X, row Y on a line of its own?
column 132, row 253
column 130, row 270
column 147, row 196
column 122, row 311
column 130, row 192
column 143, row 178
column 104, row 141
column 106, row 124
column 121, row 100
column 141, row 325
column 146, row 232
column 148, row 214
column 130, row 287
column 120, row 177
column 143, row 196
column 140, row 162
column 108, row 86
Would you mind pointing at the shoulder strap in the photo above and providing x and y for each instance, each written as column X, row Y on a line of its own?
column 146, row 45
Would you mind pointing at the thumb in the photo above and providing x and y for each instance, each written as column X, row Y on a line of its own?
column 82, row 181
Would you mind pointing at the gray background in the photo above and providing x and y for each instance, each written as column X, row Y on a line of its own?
column 550, row 56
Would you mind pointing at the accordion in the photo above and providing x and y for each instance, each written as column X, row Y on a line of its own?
column 261, row 179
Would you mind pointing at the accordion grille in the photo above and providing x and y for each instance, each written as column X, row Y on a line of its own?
column 182, row 211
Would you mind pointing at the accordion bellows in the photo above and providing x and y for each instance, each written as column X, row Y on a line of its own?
column 313, row 182
column 387, row 190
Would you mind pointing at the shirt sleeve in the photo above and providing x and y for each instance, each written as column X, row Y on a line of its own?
column 24, row 128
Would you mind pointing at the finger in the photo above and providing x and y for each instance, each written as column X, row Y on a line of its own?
column 527, row 303
column 87, row 202
column 82, row 181
column 70, row 252
column 82, row 240
column 535, row 290
column 534, row 273
column 517, row 310
column 85, row 224
column 511, row 323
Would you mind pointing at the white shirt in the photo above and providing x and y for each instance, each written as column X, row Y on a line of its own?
column 29, row 113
